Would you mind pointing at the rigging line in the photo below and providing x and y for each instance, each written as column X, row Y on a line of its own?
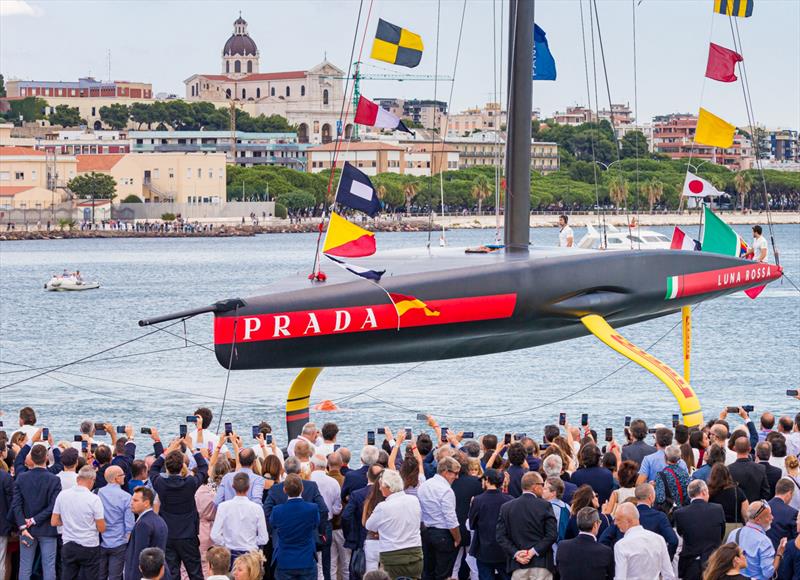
column 31, row 368
column 611, row 115
column 636, row 114
column 187, row 340
column 548, row 403
column 433, row 132
column 700, row 104
column 157, row 329
column 447, row 118
column 796, row 287
column 341, row 121
column 600, row 211
column 230, row 366
column 497, row 125
column 380, row 384
column 754, row 139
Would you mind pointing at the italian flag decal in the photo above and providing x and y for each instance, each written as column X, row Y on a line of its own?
column 673, row 282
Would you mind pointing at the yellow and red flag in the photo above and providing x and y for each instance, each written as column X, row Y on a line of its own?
column 347, row 240
column 405, row 303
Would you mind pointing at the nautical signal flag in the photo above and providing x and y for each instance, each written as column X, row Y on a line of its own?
column 374, row 275
column 369, row 113
column 713, row 131
column 347, row 240
column 740, row 8
column 680, row 241
column 544, row 65
column 357, row 192
column 405, row 303
column 396, row 45
column 721, row 63
column 694, row 186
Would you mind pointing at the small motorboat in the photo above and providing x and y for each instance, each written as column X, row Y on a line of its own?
column 633, row 238
column 69, row 283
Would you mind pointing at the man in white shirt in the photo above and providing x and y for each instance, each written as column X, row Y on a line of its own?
column 80, row 512
column 331, row 493
column 240, row 524
column 202, row 436
column 396, row 521
column 309, row 434
column 441, row 536
column 640, row 554
column 759, row 248
column 27, row 422
column 68, row 476
column 566, row 239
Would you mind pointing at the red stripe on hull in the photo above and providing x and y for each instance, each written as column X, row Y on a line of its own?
column 727, row 278
column 310, row 323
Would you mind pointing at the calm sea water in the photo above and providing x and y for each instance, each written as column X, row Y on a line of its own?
column 745, row 351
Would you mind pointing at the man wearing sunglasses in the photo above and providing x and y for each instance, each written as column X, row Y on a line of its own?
column 762, row 557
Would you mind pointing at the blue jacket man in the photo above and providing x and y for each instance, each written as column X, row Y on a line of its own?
column 150, row 531
column 784, row 516
column 483, row 515
column 294, row 525
column 35, row 493
column 310, row 493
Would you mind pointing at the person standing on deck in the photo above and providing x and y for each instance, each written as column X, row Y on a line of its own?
column 566, row 239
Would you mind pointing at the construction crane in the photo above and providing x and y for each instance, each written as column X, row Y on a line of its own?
column 358, row 76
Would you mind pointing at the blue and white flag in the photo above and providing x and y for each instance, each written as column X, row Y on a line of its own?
column 544, row 65
column 374, row 275
column 356, row 191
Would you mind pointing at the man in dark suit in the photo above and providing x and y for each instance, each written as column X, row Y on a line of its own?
column 35, row 493
column 650, row 519
column 637, row 449
column 294, row 526
column 354, row 532
column 150, row 531
column 784, row 516
column 526, row 528
column 357, row 478
column 483, row 515
column 751, row 476
column 277, row 494
column 702, row 527
column 583, row 557
column 178, row 508
column 763, row 453
column 465, row 487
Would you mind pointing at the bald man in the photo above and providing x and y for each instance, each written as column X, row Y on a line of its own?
column 119, row 523
column 640, row 555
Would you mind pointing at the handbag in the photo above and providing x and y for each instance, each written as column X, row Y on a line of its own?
column 358, row 564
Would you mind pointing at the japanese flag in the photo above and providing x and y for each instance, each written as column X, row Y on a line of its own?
column 695, row 186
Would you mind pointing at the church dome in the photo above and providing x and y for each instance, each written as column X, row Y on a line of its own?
column 240, row 42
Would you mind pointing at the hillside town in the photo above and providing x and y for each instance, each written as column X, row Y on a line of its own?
column 243, row 141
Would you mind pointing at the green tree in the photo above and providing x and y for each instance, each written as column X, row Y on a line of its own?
column 132, row 199
column 141, row 114
column 409, row 193
column 655, row 190
column 115, row 115
column 618, row 190
column 93, row 186
column 481, row 190
column 28, row 109
column 634, row 144
column 296, row 200
column 66, row 116
column 2, row 86
column 743, row 183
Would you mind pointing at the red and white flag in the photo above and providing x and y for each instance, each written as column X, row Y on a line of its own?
column 695, row 186
column 369, row 113
column 680, row 241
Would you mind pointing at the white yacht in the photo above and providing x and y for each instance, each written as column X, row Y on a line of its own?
column 69, row 282
column 624, row 239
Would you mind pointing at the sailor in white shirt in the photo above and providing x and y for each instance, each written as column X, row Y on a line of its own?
column 759, row 247
column 396, row 521
column 641, row 554
column 240, row 524
column 80, row 513
column 310, row 434
column 566, row 239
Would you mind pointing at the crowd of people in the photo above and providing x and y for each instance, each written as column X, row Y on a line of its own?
column 715, row 502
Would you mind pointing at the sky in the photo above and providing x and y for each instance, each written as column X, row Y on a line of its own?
column 166, row 41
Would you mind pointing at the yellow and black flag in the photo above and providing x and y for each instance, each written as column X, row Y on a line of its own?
column 740, row 8
column 396, row 45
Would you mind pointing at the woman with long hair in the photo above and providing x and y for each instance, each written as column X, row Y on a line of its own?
column 371, row 544
column 204, row 499
column 626, row 474
column 583, row 497
column 723, row 490
column 726, row 563
column 699, row 442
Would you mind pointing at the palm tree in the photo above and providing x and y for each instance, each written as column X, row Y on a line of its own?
column 409, row 191
column 481, row 190
column 654, row 189
column 743, row 183
column 618, row 190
